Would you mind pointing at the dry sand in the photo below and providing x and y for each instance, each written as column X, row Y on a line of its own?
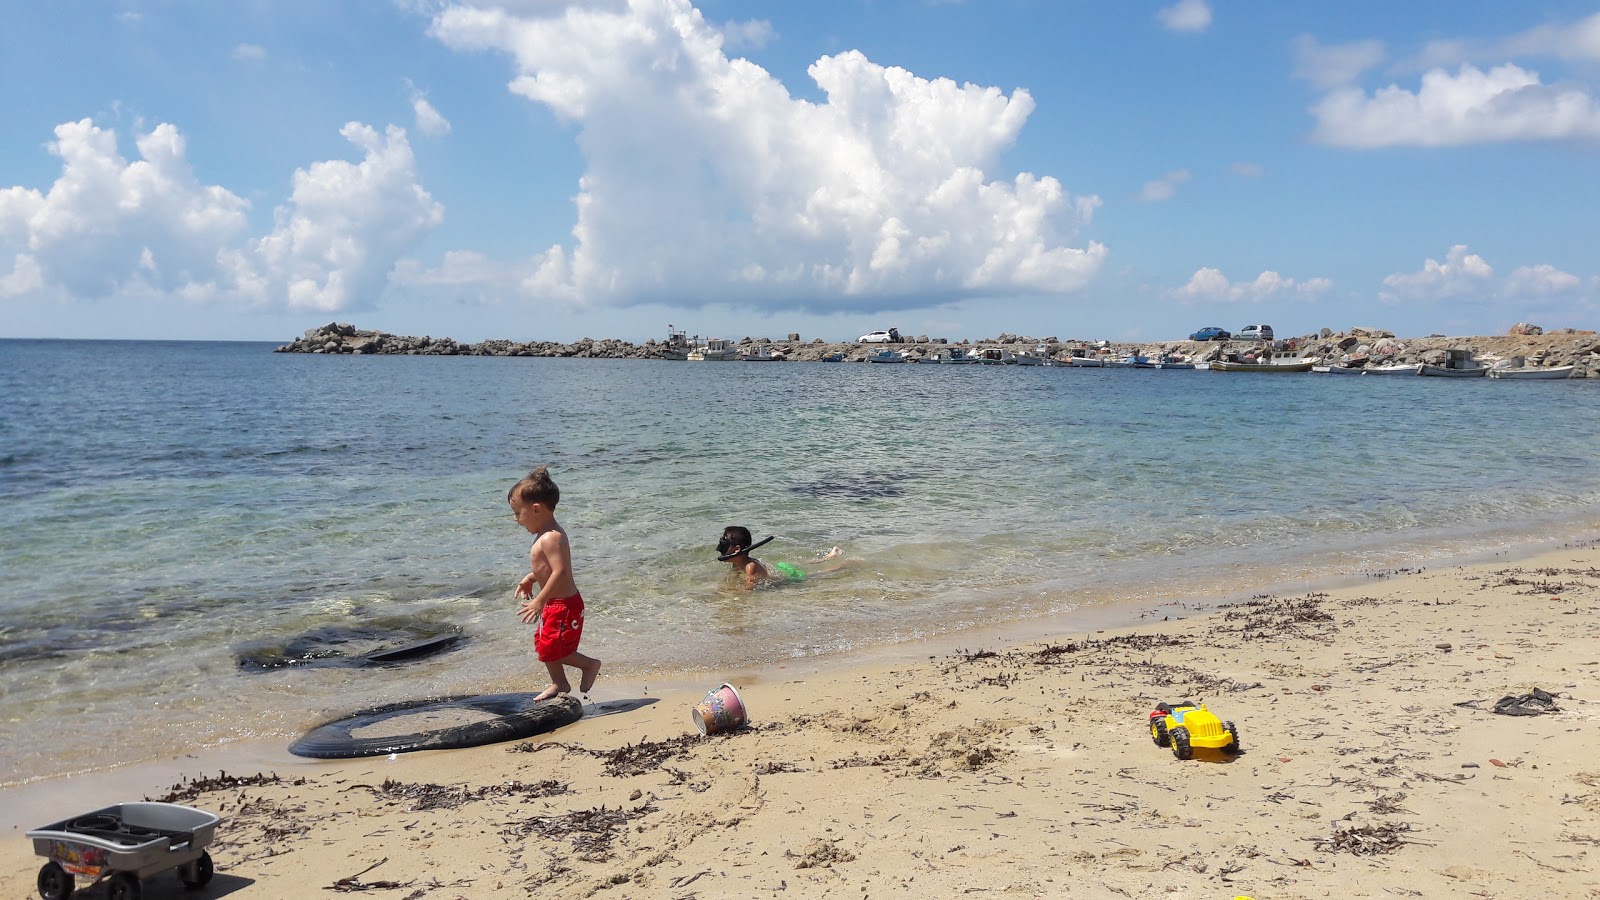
column 1373, row 766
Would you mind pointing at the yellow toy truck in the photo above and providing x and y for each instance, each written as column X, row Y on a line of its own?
column 1184, row 726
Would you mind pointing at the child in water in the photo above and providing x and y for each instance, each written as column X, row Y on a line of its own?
column 734, row 549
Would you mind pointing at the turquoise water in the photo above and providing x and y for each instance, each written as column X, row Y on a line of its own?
column 171, row 507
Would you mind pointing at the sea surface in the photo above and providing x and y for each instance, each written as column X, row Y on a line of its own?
column 180, row 521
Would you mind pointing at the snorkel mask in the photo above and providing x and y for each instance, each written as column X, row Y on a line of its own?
column 724, row 545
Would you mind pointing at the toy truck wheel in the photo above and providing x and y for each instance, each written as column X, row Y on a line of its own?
column 198, row 873
column 54, row 882
column 1158, row 733
column 125, row 886
column 1180, row 743
column 1233, row 745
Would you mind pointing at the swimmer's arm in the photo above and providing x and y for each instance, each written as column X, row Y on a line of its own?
column 753, row 573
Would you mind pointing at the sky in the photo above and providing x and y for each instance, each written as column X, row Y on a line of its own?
column 549, row 170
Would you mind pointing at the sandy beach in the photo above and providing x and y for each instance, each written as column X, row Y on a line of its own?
column 1373, row 765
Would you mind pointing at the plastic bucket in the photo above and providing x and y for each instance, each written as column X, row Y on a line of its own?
column 719, row 711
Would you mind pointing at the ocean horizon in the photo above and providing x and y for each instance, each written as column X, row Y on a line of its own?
column 181, row 517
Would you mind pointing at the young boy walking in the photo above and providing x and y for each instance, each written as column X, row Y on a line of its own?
column 558, row 607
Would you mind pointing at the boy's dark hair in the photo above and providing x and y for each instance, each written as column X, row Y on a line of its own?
column 536, row 487
column 735, row 536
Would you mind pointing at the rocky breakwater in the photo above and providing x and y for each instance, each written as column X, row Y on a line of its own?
column 336, row 338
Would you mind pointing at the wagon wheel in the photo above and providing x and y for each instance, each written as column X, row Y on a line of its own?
column 197, row 873
column 125, row 886
column 1233, row 745
column 1158, row 732
column 54, row 882
column 1180, row 743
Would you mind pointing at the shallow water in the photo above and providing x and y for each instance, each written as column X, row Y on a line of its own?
column 171, row 507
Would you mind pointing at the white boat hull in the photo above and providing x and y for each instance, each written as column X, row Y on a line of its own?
column 1533, row 373
column 1443, row 372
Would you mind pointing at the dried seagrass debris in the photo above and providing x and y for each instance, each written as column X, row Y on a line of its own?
column 438, row 796
column 592, row 830
column 1366, row 840
column 193, row 788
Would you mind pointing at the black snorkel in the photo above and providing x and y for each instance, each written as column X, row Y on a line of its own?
column 723, row 546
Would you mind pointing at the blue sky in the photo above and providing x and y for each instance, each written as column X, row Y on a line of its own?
column 544, row 170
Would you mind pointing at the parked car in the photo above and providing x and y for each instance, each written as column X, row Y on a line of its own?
column 1210, row 333
column 892, row 336
column 1255, row 333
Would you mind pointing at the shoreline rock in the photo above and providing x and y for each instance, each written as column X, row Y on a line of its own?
column 1559, row 347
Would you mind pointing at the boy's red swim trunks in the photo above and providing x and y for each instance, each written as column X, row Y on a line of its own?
column 559, row 628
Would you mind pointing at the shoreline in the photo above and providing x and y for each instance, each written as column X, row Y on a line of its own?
column 1114, row 605
column 1095, row 606
column 1048, row 756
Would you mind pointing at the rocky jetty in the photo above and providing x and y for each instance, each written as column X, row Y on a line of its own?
column 1559, row 347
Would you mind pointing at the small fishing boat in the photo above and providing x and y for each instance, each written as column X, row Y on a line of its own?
column 886, row 356
column 1537, row 373
column 1457, row 364
column 676, row 347
column 1038, row 356
column 1394, row 369
column 993, row 356
column 714, row 350
column 956, row 356
column 1280, row 361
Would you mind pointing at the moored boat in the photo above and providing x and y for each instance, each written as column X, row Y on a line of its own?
column 764, row 353
column 993, row 356
column 1394, row 369
column 1534, row 373
column 886, row 356
column 1457, row 364
column 714, row 350
column 1273, row 360
column 1038, row 356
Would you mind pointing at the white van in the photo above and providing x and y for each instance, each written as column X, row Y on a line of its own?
column 1254, row 333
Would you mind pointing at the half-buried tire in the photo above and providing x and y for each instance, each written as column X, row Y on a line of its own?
column 439, row 724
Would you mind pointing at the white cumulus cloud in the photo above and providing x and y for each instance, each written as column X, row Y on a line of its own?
column 149, row 226
column 1542, row 280
column 1186, row 15
column 109, row 224
column 1506, row 103
column 1209, row 284
column 344, row 226
column 1461, row 274
column 706, row 180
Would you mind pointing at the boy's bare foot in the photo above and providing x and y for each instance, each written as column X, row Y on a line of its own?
column 834, row 552
column 587, row 681
column 551, row 691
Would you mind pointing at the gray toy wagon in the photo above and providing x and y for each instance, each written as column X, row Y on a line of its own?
column 123, row 844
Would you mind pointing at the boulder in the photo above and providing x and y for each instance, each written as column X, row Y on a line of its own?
column 1525, row 329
